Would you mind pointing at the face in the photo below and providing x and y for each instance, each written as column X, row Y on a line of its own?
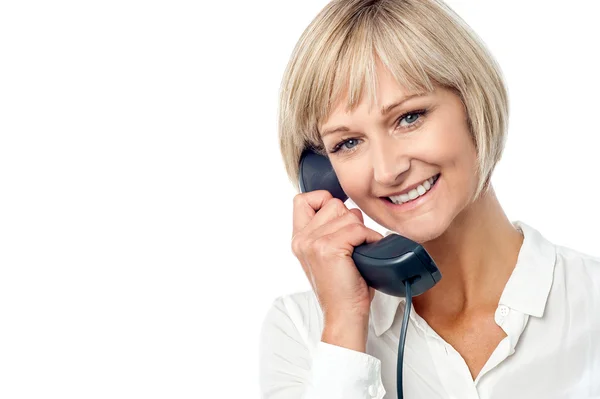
column 379, row 156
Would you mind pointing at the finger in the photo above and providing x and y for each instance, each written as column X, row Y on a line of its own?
column 358, row 213
column 325, row 221
column 334, row 225
column 306, row 206
column 351, row 235
column 331, row 210
column 360, row 234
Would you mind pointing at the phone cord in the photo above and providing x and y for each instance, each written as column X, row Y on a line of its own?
column 408, row 306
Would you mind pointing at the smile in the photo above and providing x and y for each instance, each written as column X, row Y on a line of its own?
column 414, row 197
column 415, row 193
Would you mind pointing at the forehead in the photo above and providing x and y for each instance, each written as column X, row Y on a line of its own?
column 388, row 94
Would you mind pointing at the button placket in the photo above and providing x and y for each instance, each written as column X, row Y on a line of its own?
column 452, row 370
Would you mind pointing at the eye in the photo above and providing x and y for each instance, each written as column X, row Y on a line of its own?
column 345, row 146
column 411, row 118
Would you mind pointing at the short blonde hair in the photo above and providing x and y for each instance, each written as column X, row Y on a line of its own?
column 421, row 42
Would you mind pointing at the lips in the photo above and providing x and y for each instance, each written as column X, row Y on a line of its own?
column 412, row 187
column 412, row 194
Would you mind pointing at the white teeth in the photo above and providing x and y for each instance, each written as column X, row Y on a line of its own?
column 414, row 193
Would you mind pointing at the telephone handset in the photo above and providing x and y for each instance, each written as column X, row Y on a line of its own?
column 386, row 264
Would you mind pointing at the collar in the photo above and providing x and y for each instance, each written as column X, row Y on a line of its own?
column 526, row 291
column 529, row 285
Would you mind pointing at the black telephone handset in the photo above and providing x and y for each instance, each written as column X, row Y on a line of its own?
column 386, row 264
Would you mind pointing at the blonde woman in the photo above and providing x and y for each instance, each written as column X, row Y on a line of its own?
column 412, row 112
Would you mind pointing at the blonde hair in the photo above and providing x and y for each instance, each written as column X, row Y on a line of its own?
column 421, row 42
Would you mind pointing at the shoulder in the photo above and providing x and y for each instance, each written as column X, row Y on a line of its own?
column 298, row 313
column 565, row 259
column 577, row 261
column 304, row 303
column 577, row 277
column 303, row 308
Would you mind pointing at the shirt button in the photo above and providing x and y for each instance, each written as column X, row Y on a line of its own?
column 501, row 313
column 372, row 390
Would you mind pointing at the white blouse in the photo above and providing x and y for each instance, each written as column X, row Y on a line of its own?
column 549, row 309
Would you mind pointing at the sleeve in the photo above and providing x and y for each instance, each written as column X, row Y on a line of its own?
column 288, row 369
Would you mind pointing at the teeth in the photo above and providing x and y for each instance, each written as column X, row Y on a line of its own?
column 414, row 193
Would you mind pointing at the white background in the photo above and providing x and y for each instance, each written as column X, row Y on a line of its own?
column 145, row 216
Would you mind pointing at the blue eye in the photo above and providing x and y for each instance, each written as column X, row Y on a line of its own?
column 348, row 145
column 408, row 116
column 412, row 118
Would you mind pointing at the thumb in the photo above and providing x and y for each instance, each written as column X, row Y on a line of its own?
column 358, row 213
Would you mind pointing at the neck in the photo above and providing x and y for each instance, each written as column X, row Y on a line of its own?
column 476, row 256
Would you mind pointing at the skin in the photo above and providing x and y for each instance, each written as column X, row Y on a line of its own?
column 474, row 245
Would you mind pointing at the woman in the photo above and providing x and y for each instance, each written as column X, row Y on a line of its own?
column 412, row 112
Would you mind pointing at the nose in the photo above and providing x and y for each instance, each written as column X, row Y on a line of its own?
column 389, row 163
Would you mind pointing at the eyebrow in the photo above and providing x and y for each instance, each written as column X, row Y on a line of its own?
column 384, row 111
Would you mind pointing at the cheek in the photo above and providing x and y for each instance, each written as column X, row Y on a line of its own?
column 354, row 180
column 451, row 146
column 460, row 168
column 448, row 136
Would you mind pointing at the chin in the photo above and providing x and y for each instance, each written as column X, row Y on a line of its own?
column 420, row 232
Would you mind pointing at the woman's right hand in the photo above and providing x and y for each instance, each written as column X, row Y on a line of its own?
column 324, row 236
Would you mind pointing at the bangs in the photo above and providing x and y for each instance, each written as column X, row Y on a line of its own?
column 351, row 73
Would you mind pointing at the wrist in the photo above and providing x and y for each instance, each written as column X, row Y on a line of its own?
column 350, row 333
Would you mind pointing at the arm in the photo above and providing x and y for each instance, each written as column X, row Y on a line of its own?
column 289, row 369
